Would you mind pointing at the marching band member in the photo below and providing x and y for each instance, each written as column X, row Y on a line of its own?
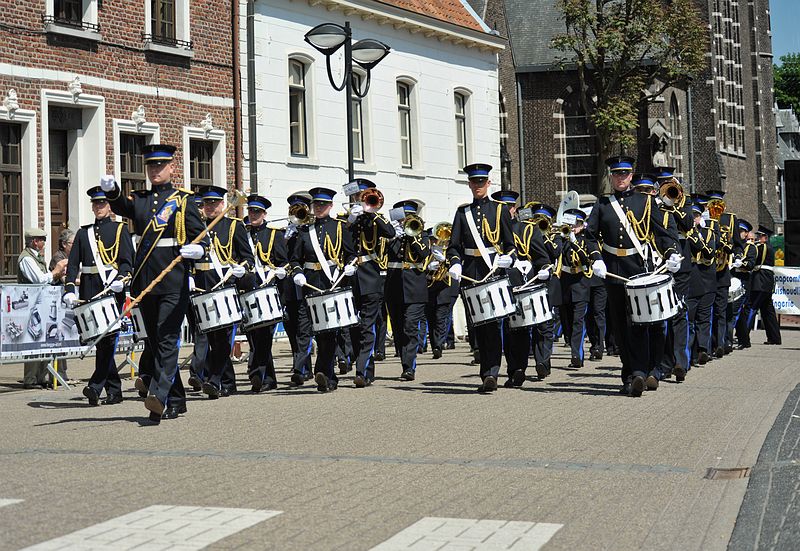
column 531, row 264
column 296, row 321
column 482, row 241
column 442, row 290
column 761, row 286
column 627, row 222
column 596, row 324
column 741, row 269
column 368, row 228
column 321, row 251
column 577, row 256
column 544, row 335
column 229, row 255
column 270, row 261
column 102, row 255
column 167, row 220
column 407, row 284
column 703, row 285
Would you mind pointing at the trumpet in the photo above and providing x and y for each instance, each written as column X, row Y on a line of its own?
column 300, row 214
column 372, row 199
column 672, row 194
column 715, row 208
column 543, row 222
column 564, row 230
column 442, row 232
column 413, row 226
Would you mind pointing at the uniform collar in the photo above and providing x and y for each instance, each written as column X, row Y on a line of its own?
column 101, row 221
column 627, row 193
column 481, row 201
column 163, row 187
column 321, row 220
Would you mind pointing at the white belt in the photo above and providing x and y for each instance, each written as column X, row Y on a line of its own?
column 367, row 258
column 768, row 268
column 571, row 270
column 166, row 242
column 476, row 252
column 405, row 265
column 619, row 252
column 89, row 270
column 317, row 265
column 205, row 266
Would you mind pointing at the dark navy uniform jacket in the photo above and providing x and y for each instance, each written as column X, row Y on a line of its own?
column 576, row 262
column 748, row 263
column 728, row 243
column 703, row 243
column 228, row 236
column 763, row 279
column 108, row 234
column 529, row 245
column 498, row 239
column 289, row 291
column 141, row 207
column 444, row 291
column 407, row 263
column 367, row 232
column 553, row 246
column 330, row 232
column 605, row 225
column 270, row 247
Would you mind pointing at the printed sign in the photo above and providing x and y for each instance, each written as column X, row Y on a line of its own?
column 786, row 295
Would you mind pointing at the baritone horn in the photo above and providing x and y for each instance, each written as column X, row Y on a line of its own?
column 442, row 232
column 715, row 208
column 413, row 226
column 300, row 214
column 372, row 199
column 671, row 193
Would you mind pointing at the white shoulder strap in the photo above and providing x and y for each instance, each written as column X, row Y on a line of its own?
column 101, row 268
column 476, row 236
column 259, row 266
column 312, row 234
column 628, row 228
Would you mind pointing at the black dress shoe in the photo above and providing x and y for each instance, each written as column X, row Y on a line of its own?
column 450, row 346
column 322, row 382
column 211, row 391
column 359, row 381
column 703, row 358
column 172, row 412
column 378, row 357
column 256, row 382
column 742, row 347
column 680, row 373
column 154, row 405
column 489, row 384
column 575, row 362
column 637, row 386
column 407, row 375
column 141, row 387
column 541, row 371
column 91, row 395
column 154, row 418
column 508, row 383
column 343, row 367
column 437, row 353
column 595, row 356
column 226, row 391
column 518, row 377
column 113, row 399
column 308, row 376
column 297, row 379
column 772, row 343
column 651, row 382
column 719, row 352
column 625, row 389
column 728, row 349
column 195, row 383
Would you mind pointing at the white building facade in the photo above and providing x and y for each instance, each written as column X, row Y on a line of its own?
column 432, row 104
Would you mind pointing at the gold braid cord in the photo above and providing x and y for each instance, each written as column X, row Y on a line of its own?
column 382, row 257
column 266, row 257
column 493, row 235
column 523, row 245
column 225, row 252
column 180, row 221
column 412, row 259
column 332, row 250
column 108, row 255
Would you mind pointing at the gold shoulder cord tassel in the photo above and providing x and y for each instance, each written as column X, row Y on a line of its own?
column 334, row 250
column 108, row 255
column 493, row 235
column 180, row 222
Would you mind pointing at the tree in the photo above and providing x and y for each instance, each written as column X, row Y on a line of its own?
column 787, row 82
column 627, row 53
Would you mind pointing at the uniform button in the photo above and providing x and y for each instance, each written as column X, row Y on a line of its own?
column 154, row 210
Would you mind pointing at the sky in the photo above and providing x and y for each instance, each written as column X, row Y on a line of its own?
column 785, row 16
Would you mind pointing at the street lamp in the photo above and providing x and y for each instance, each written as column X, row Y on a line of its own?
column 327, row 38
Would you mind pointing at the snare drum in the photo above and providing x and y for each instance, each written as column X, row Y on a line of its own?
column 532, row 307
column 488, row 301
column 137, row 320
column 217, row 309
column 651, row 298
column 95, row 316
column 332, row 310
column 736, row 290
column 261, row 307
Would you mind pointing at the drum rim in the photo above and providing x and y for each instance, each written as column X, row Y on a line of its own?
column 538, row 287
column 196, row 294
column 635, row 281
column 97, row 300
column 490, row 280
column 330, row 291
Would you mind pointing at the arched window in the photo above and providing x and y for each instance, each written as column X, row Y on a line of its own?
column 675, row 137
column 580, row 147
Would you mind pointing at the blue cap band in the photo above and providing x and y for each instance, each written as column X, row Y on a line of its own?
column 257, row 205
column 212, row 194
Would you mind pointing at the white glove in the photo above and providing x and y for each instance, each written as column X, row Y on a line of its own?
column 433, row 265
column 706, row 215
column 355, row 212
column 674, row 262
column 504, row 261
column 738, row 263
column 192, row 285
column 299, row 279
column 398, row 229
column 280, row 272
column 291, row 229
column 192, row 251
column 455, row 271
column 543, row 274
column 599, row 269
column 438, row 253
column 523, row 266
column 349, row 270
column 108, row 183
column 116, row 286
column 238, row 270
column 572, row 237
column 702, row 222
column 70, row 299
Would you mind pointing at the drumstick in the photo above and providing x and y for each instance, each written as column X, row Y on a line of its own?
column 317, row 289
column 470, row 279
column 237, row 198
column 615, row 276
column 341, row 277
column 106, row 289
column 222, row 281
column 271, row 275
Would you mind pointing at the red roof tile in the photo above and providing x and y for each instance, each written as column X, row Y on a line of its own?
column 450, row 11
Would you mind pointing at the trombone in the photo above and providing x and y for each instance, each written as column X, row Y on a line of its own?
column 371, row 199
column 413, row 226
column 299, row 215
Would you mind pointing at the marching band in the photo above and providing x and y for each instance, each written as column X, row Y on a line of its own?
column 665, row 278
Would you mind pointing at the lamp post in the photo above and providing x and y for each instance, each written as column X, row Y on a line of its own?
column 327, row 38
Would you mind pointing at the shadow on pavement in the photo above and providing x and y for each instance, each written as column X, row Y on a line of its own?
column 141, row 421
column 437, row 388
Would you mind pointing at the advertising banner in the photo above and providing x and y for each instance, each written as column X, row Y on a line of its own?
column 786, row 296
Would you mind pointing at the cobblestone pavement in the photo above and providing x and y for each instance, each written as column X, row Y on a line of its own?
column 566, row 463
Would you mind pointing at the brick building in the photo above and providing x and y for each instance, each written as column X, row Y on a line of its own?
column 84, row 84
column 730, row 142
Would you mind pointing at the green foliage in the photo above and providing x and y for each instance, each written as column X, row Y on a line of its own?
column 787, row 82
column 626, row 53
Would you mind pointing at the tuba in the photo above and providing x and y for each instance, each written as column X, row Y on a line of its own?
column 413, row 226
column 372, row 199
column 672, row 194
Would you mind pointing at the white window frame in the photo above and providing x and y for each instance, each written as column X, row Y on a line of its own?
column 150, row 130
column 302, row 122
column 89, row 16
column 413, row 108
column 358, row 119
column 182, row 30
column 310, row 158
column 219, row 175
column 30, row 183
column 466, row 119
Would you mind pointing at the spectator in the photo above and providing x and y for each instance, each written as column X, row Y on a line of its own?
column 65, row 240
column 32, row 269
